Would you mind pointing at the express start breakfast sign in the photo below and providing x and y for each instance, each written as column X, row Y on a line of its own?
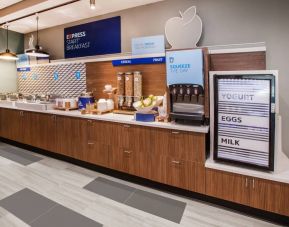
column 95, row 38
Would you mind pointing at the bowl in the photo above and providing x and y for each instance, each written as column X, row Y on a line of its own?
column 149, row 108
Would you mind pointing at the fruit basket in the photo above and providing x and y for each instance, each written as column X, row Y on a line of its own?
column 146, row 105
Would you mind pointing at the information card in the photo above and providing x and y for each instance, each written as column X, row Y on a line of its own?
column 243, row 121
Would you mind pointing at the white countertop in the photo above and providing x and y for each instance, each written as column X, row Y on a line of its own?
column 282, row 177
column 120, row 118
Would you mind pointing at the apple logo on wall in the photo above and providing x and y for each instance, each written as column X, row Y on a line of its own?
column 185, row 31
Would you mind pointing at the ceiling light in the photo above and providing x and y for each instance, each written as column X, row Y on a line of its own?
column 37, row 51
column 7, row 55
column 92, row 4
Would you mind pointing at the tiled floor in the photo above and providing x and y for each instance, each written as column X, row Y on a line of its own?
column 38, row 211
column 68, row 195
column 152, row 203
column 18, row 155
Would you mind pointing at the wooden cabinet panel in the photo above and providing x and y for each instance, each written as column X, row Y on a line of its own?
column 198, row 178
column 39, row 130
column 179, row 173
column 227, row 186
column 98, row 140
column 71, row 137
column 124, row 160
column 97, row 153
column 100, row 131
column 11, row 124
column 265, row 195
column 153, row 167
column 187, row 146
column 179, row 145
column 284, row 207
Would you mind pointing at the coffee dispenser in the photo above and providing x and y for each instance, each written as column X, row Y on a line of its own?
column 187, row 103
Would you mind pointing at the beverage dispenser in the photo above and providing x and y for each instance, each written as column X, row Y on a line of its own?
column 185, row 79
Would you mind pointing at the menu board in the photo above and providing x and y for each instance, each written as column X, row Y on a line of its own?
column 245, row 119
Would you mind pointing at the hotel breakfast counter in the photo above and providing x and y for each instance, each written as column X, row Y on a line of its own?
column 118, row 118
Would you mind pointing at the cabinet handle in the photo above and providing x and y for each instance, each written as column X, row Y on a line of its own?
column 246, row 183
column 253, row 183
column 127, row 152
column 90, row 143
column 175, row 132
column 176, row 162
column 126, row 126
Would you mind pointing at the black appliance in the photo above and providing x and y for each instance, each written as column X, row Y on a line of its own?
column 187, row 103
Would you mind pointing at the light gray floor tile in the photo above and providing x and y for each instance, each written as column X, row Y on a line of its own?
column 163, row 207
column 18, row 155
column 110, row 189
column 61, row 216
column 27, row 205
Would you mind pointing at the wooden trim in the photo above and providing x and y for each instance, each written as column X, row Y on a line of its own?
column 238, row 61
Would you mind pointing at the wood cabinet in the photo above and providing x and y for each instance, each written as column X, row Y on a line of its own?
column 254, row 192
column 98, row 140
column 284, row 209
column 170, row 157
column 71, row 137
column 39, row 130
column 265, row 195
column 11, row 124
column 227, row 186
column 125, row 155
column 179, row 145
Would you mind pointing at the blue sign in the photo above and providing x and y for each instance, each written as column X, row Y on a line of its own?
column 185, row 67
column 24, row 69
column 23, row 60
column 148, row 45
column 78, row 75
column 35, row 77
column 55, row 76
column 96, row 38
column 139, row 61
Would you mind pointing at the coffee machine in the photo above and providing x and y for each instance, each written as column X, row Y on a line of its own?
column 187, row 103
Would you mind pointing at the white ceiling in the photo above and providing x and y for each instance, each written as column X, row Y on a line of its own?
column 66, row 14
column 6, row 3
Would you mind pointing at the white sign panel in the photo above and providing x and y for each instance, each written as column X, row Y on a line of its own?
column 243, row 121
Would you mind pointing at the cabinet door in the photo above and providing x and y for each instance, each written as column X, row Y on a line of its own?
column 227, row 186
column 153, row 167
column 179, row 145
column 11, row 124
column 284, row 208
column 99, row 136
column 179, row 173
column 39, row 130
column 123, row 135
column 71, row 137
column 265, row 195
column 187, row 146
column 124, row 160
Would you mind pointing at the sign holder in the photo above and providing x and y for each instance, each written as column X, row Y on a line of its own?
column 234, row 153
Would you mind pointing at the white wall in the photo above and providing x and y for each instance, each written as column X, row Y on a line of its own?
column 8, row 76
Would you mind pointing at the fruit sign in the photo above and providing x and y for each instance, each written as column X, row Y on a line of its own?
column 184, row 31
